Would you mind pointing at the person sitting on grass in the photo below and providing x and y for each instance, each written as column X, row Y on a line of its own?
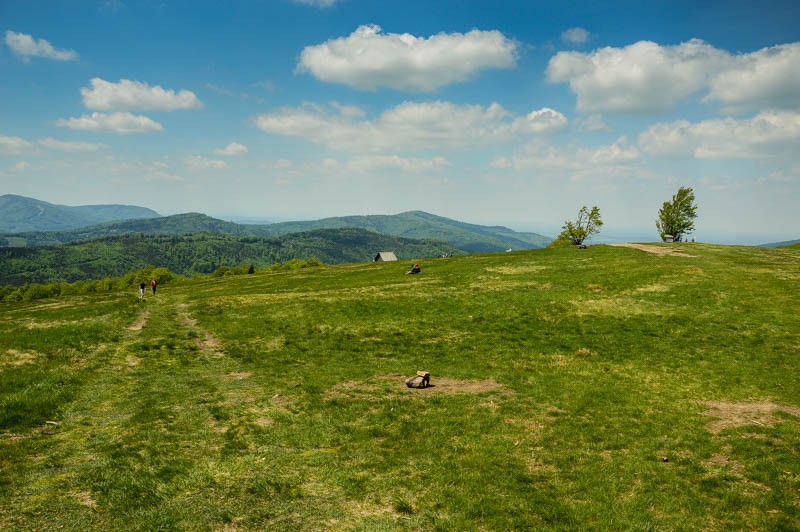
column 414, row 269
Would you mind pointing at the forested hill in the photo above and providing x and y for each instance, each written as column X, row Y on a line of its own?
column 415, row 224
column 18, row 213
column 179, row 224
column 419, row 224
column 191, row 254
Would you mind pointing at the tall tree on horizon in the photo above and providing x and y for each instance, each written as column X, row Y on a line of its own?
column 587, row 224
column 676, row 217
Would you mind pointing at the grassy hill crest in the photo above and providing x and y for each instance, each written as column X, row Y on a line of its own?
column 607, row 388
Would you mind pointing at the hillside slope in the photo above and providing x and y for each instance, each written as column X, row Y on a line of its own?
column 194, row 253
column 600, row 389
column 19, row 214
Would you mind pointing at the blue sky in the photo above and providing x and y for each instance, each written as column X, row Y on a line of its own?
column 514, row 113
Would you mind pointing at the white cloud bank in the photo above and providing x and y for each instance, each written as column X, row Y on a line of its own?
column 127, row 95
column 368, row 59
column 122, row 123
column 647, row 77
column 765, row 135
column 232, row 149
column 14, row 144
column 25, row 46
column 408, row 126
column 198, row 162
column 615, row 159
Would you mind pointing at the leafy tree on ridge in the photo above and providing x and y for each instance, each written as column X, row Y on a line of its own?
column 587, row 224
column 676, row 217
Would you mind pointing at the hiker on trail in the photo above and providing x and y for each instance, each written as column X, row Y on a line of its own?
column 153, row 285
column 141, row 290
column 414, row 269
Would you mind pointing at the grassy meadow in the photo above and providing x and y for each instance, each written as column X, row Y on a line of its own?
column 600, row 389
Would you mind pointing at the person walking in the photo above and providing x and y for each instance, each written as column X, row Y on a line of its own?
column 153, row 284
column 141, row 290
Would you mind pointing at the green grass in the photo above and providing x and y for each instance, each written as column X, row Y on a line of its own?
column 571, row 391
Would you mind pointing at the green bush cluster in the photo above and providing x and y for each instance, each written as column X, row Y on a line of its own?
column 295, row 264
column 31, row 291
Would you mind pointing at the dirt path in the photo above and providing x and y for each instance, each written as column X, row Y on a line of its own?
column 141, row 323
column 655, row 250
column 207, row 342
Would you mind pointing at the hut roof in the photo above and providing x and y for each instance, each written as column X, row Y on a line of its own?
column 385, row 256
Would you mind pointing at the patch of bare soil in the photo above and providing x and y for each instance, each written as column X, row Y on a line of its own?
column 206, row 342
column 394, row 385
column 209, row 344
column 655, row 250
column 141, row 323
column 732, row 415
column 726, row 463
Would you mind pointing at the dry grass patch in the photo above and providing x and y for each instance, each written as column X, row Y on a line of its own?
column 394, row 385
column 655, row 250
column 516, row 270
column 741, row 414
column 15, row 358
column 497, row 284
column 621, row 307
column 653, row 288
column 239, row 375
column 84, row 498
column 721, row 461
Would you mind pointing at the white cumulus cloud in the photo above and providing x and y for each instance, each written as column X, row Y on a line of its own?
column 766, row 134
column 25, row 47
column 135, row 96
column 369, row 59
column 540, row 121
column 575, row 36
column 198, row 162
column 233, row 148
column 644, row 76
column 65, row 145
column 14, row 144
column 408, row 126
column 767, row 78
column 122, row 123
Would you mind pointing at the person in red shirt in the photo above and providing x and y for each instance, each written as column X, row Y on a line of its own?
column 153, row 285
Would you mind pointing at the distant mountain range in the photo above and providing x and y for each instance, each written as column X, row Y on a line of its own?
column 781, row 244
column 59, row 225
column 18, row 214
